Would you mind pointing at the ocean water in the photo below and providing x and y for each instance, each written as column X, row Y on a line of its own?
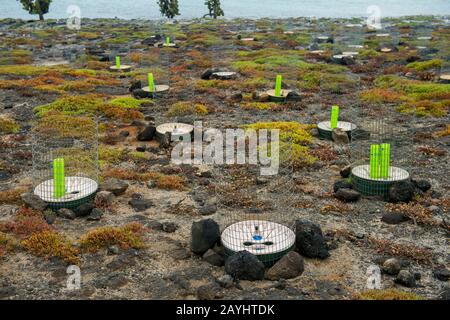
column 148, row 9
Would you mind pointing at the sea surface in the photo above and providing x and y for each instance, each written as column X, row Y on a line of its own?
column 148, row 9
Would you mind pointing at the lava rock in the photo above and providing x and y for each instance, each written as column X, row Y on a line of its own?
column 347, row 195
column 293, row 96
column 204, row 235
column 226, row 281
column 309, row 240
column 137, row 84
column 113, row 250
column 394, row 218
column 443, row 295
column 341, row 184
column 206, row 75
column 288, row 267
column 236, row 97
column 208, row 291
column 147, row 134
column 391, row 266
column 116, row 186
column 139, row 205
column 244, row 266
column 169, row 227
column 422, row 185
column 66, row 213
column 213, row 258
column 209, row 207
column 33, row 201
column 140, row 94
column 96, row 214
column 84, row 210
column 401, row 191
column 345, row 172
column 442, row 274
column 49, row 216
column 104, row 198
column 405, row 278
column 339, row 136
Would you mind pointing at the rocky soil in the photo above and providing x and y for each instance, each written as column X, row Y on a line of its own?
column 340, row 235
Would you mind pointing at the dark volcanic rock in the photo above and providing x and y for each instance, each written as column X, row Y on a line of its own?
column 348, row 195
column 33, row 201
column 104, row 198
column 208, row 291
column 116, row 186
column 422, row 185
column 135, row 85
column 394, row 218
column 293, row 96
column 391, row 266
column 309, row 240
column 66, row 213
column 345, row 172
column 206, row 75
column 204, row 235
column 147, row 134
column 341, row 184
column 83, row 210
column 406, row 278
column 288, row 267
column 213, row 258
column 244, row 266
column 401, row 191
column 442, row 274
column 140, row 204
column 140, row 94
column 49, row 216
column 209, row 207
column 96, row 214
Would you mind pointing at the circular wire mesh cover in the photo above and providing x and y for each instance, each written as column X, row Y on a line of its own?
column 65, row 160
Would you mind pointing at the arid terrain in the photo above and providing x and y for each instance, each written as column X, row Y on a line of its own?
column 134, row 241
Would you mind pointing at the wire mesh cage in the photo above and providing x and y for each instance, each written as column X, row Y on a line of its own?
column 119, row 56
column 255, row 209
column 339, row 94
column 380, row 153
column 65, row 160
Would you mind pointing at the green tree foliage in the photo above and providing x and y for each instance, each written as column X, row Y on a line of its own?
column 214, row 8
column 169, row 8
column 39, row 7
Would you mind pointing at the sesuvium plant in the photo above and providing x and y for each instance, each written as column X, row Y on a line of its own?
column 39, row 7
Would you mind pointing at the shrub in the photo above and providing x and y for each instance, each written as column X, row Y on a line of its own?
column 72, row 105
column 8, row 125
column 187, row 108
column 49, row 244
column 128, row 103
column 388, row 294
column 381, row 95
column 7, row 244
column 11, row 196
column 425, row 65
column 26, row 223
column 294, row 138
column 128, row 236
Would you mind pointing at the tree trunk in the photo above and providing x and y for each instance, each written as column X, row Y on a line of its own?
column 41, row 16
